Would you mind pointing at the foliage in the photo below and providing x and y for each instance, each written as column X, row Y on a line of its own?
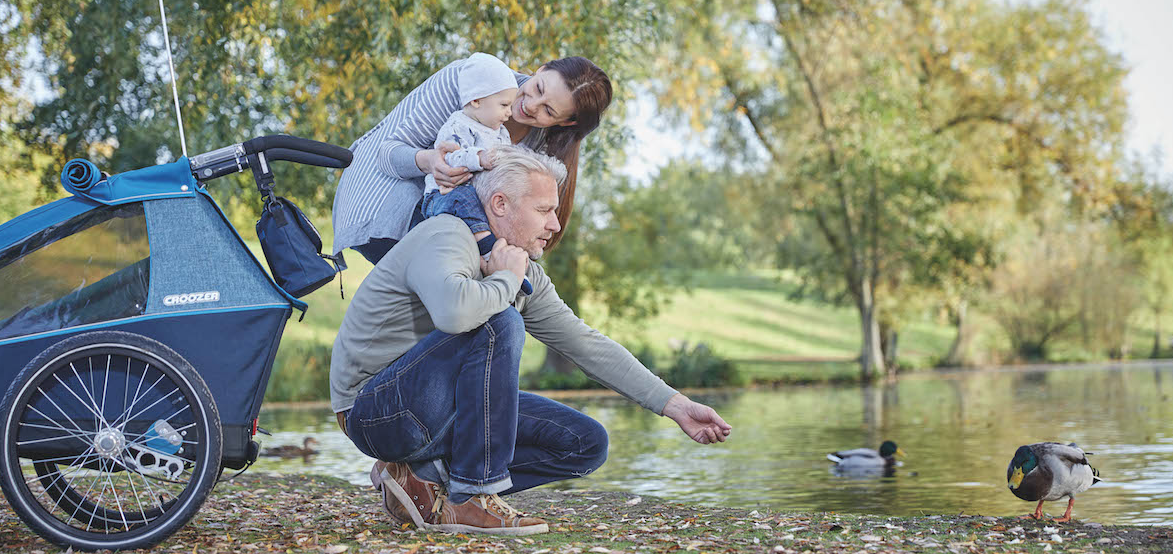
column 695, row 366
column 551, row 380
column 879, row 123
column 23, row 166
column 301, row 372
column 1066, row 281
column 327, row 71
column 643, row 239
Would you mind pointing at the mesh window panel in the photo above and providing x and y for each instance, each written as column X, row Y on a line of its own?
column 92, row 268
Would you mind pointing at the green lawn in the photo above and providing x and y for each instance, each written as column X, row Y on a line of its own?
column 747, row 318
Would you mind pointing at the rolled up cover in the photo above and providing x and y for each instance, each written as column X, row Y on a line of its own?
column 82, row 178
column 80, row 175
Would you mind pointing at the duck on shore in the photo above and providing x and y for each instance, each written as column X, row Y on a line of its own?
column 292, row 451
column 1048, row 471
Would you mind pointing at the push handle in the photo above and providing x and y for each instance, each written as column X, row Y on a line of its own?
column 302, row 157
column 236, row 158
column 286, row 147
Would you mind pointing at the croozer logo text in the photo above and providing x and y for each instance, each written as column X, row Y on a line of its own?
column 191, row 298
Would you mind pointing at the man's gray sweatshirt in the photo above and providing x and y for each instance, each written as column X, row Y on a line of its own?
column 432, row 280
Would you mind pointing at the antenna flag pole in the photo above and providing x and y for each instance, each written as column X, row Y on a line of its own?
column 174, row 89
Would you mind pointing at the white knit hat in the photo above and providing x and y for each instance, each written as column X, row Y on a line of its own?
column 483, row 75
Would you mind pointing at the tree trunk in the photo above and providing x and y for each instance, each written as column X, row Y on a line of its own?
column 1156, row 353
column 871, row 357
column 959, row 352
column 557, row 364
column 889, row 346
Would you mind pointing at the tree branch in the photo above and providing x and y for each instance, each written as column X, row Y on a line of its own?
column 850, row 238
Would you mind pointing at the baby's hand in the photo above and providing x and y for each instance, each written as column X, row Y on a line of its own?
column 486, row 159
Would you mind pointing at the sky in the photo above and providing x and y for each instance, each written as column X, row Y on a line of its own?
column 1140, row 30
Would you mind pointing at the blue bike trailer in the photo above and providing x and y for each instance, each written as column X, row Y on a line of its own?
column 147, row 252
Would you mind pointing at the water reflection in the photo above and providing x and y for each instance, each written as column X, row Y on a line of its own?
column 959, row 431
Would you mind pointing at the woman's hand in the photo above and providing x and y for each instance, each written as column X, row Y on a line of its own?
column 700, row 422
column 432, row 161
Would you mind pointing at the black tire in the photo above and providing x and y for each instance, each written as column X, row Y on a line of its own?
column 80, row 462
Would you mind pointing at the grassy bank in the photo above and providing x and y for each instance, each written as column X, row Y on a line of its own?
column 748, row 317
column 297, row 514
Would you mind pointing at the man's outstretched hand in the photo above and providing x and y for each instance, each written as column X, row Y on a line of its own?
column 698, row 421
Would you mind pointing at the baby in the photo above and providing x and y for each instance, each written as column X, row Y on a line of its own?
column 487, row 90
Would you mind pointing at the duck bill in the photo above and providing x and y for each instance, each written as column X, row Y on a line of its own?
column 899, row 452
column 1015, row 478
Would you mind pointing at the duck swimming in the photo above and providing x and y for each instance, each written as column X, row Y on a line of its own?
column 866, row 460
column 1048, row 471
column 291, row 451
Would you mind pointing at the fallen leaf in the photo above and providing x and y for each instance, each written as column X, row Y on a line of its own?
column 336, row 549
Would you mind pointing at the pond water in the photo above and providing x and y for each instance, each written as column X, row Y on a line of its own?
column 959, row 431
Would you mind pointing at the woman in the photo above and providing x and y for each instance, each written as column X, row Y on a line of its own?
column 555, row 109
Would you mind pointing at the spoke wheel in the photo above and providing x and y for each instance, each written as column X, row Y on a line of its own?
column 111, row 440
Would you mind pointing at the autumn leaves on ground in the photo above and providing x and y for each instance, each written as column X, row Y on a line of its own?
column 322, row 514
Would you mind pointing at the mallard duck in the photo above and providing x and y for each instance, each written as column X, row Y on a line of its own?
column 1048, row 471
column 866, row 460
column 291, row 451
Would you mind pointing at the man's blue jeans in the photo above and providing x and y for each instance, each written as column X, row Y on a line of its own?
column 455, row 398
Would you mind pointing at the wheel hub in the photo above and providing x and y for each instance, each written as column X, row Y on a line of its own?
column 109, row 443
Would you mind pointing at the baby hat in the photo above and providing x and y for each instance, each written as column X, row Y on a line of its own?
column 483, row 75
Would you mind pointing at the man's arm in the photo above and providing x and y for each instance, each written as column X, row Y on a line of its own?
column 446, row 277
column 551, row 321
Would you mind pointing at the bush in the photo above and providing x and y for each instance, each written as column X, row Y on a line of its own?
column 548, row 380
column 696, row 367
column 301, row 373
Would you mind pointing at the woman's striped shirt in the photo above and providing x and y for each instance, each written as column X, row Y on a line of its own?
column 379, row 191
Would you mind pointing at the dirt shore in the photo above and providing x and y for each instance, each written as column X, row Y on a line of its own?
column 296, row 514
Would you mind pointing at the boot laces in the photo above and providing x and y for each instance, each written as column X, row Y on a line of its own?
column 500, row 505
column 438, row 505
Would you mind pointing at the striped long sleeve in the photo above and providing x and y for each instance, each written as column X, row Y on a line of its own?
column 379, row 191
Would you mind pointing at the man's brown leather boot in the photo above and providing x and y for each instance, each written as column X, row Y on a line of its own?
column 406, row 497
column 486, row 513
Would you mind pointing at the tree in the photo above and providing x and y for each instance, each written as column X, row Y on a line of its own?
column 328, row 71
column 635, row 242
column 878, row 122
column 1066, row 280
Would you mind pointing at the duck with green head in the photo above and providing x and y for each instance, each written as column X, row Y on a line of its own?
column 861, row 460
column 1048, row 471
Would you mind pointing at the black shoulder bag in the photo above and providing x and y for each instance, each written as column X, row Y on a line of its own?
column 292, row 245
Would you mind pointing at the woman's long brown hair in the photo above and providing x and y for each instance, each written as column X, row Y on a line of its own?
column 591, row 90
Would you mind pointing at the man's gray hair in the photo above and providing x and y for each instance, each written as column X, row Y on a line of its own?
column 512, row 166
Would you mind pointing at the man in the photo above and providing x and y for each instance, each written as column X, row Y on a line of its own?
column 446, row 410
